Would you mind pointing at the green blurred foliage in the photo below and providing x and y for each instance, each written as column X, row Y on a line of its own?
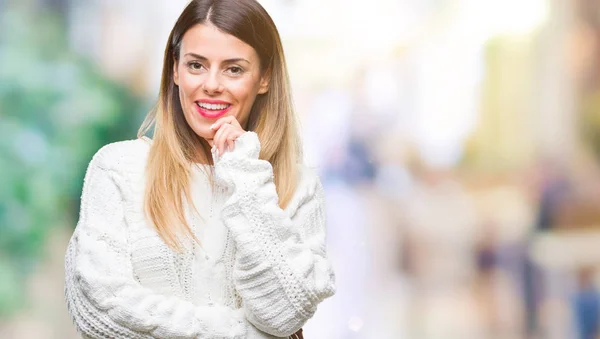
column 56, row 110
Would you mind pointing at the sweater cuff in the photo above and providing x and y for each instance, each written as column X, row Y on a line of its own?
column 247, row 145
column 242, row 166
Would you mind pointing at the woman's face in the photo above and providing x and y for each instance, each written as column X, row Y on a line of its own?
column 218, row 75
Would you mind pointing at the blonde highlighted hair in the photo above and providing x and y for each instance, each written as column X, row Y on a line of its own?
column 175, row 145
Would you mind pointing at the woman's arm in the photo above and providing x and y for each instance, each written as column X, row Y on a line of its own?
column 281, row 271
column 102, row 296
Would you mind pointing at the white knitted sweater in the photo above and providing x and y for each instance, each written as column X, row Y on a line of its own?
column 260, row 273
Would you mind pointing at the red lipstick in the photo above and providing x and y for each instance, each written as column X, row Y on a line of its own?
column 212, row 109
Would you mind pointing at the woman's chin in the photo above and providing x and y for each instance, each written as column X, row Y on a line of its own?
column 203, row 131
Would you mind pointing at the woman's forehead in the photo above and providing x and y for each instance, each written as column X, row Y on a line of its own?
column 213, row 44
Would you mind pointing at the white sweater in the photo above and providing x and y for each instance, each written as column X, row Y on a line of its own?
column 260, row 273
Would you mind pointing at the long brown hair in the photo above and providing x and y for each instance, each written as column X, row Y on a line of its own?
column 175, row 145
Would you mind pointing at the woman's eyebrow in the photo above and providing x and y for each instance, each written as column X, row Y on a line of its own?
column 203, row 58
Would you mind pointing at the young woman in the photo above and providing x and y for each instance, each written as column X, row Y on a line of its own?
column 212, row 229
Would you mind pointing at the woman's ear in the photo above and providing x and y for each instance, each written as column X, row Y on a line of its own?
column 265, row 80
column 175, row 73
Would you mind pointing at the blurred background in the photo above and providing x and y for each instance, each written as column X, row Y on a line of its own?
column 458, row 142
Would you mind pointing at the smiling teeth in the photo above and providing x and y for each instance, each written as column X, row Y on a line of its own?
column 212, row 106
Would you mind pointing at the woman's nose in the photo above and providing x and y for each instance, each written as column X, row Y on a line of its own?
column 212, row 83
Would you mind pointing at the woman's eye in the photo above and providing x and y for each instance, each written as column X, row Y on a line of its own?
column 195, row 66
column 235, row 70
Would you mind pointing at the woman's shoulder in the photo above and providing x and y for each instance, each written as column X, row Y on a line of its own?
column 307, row 172
column 308, row 178
column 126, row 155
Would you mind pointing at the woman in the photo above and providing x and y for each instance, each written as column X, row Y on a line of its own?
column 212, row 229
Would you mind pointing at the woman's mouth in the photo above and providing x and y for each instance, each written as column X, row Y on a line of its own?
column 212, row 110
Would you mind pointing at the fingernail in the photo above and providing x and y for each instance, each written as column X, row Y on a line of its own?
column 212, row 126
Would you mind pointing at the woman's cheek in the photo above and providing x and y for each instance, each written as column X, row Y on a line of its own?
column 191, row 83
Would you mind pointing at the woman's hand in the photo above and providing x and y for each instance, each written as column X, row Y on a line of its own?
column 227, row 129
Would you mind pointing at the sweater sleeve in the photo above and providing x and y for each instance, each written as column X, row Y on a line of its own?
column 281, row 271
column 104, row 299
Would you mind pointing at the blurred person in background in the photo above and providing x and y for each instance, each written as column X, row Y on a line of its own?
column 553, row 190
column 213, row 228
column 586, row 304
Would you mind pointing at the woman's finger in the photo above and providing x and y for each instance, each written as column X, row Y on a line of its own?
column 230, row 119
column 226, row 137
column 230, row 144
column 235, row 133
column 219, row 140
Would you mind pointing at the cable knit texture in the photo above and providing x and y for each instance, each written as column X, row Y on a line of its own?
column 260, row 273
